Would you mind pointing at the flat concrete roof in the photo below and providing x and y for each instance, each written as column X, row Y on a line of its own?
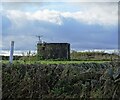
column 53, row 43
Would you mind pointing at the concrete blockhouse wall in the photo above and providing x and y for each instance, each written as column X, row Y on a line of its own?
column 53, row 50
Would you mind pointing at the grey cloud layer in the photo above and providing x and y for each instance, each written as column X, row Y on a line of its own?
column 94, row 15
column 60, row 1
column 95, row 27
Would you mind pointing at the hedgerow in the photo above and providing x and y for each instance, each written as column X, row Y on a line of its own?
column 43, row 81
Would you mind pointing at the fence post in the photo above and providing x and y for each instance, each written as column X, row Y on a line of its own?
column 11, row 52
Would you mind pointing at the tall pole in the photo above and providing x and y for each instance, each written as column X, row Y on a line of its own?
column 11, row 52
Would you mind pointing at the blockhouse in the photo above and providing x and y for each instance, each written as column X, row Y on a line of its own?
column 53, row 51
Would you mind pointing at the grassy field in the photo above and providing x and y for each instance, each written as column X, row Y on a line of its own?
column 52, row 62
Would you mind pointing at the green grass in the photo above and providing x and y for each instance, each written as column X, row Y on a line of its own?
column 52, row 62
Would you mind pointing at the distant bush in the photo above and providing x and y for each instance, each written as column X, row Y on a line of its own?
column 93, row 56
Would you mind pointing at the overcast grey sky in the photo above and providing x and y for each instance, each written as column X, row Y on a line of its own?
column 84, row 25
column 60, row 0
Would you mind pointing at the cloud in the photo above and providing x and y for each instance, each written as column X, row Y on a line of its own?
column 45, row 15
column 22, row 42
column 93, row 15
column 79, row 35
column 90, row 26
column 18, row 1
column 60, row 1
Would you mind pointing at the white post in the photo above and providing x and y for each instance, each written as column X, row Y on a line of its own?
column 11, row 52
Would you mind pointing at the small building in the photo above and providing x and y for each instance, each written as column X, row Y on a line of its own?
column 59, row 51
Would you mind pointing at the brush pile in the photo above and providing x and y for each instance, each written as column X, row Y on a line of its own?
column 61, row 81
